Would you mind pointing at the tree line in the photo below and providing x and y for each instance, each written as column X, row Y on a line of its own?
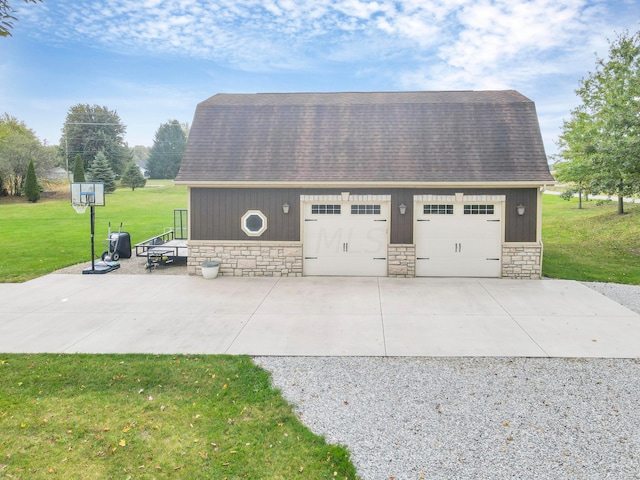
column 92, row 146
column 600, row 143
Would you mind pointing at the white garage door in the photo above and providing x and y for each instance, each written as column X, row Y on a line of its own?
column 459, row 239
column 345, row 237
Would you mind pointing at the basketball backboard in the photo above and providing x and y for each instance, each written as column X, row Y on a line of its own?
column 87, row 193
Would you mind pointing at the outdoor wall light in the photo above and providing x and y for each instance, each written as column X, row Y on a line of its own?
column 520, row 209
column 403, row 208
column 285, row 207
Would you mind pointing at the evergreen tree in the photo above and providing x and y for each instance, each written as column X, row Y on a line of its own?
column 133, row 177
column 78, row 170
column 166, row 153
column 100, row 172
column 31, row 188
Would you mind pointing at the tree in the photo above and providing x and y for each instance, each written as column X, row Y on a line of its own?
column 140, row 154
column 608, row 122
column 31, row 187
column 89, row 129
column 166, row 153
column 575, row 167
column 7, row 16
column 100, row 172
column 132, row 177
column 78, row 169
column 18, row 146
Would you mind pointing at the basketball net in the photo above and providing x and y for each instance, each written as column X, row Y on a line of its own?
column 80, row 207
column 86, row 199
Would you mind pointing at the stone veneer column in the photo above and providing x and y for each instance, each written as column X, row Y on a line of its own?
column 522, row 261
column 401, row 261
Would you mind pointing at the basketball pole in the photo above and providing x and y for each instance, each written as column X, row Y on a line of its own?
column 93, row 249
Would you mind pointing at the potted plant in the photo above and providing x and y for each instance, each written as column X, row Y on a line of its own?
column 210, row 269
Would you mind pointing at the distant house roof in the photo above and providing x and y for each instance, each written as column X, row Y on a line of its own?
column 55, row 173
column 390, row 137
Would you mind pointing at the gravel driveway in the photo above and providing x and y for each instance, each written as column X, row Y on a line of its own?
column 480, row 418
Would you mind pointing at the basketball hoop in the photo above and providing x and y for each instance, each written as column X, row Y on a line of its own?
column 83, row 195
column 79, row 207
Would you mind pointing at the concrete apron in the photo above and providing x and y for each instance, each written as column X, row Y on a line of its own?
column 314, row 316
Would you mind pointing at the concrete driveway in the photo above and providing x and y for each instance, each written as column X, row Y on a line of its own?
column 314, row 316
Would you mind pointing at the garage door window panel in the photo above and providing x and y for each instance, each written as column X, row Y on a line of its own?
column 438, row 209
column 365, row 209
column 479, row 209
column 326, row 209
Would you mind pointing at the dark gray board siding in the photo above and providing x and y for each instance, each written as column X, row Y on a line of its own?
column 216, row 212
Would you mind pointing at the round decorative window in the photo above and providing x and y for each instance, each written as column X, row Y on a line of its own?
column 254, row 223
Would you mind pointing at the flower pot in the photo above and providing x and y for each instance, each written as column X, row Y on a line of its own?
column 210, row 269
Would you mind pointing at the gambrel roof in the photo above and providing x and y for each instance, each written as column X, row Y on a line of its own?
column 378, row 137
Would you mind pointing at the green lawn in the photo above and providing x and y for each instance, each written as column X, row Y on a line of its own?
column 592, row 244
column 152, row 417
column 38, row 238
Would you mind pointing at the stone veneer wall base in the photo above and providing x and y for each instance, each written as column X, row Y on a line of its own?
column 247, row 259
column 522, row 261
column 275, row 259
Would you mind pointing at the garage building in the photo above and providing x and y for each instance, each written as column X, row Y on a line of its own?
column 397, row 184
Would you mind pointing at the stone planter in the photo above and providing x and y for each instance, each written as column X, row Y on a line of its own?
column 210, row 269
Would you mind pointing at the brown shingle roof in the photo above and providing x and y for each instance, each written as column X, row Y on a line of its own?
column 466, row 136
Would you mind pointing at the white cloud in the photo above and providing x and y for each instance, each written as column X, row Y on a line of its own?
column 471, row 37
column 530, row 45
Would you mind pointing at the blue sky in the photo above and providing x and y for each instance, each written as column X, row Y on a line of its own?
column 154, row 60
